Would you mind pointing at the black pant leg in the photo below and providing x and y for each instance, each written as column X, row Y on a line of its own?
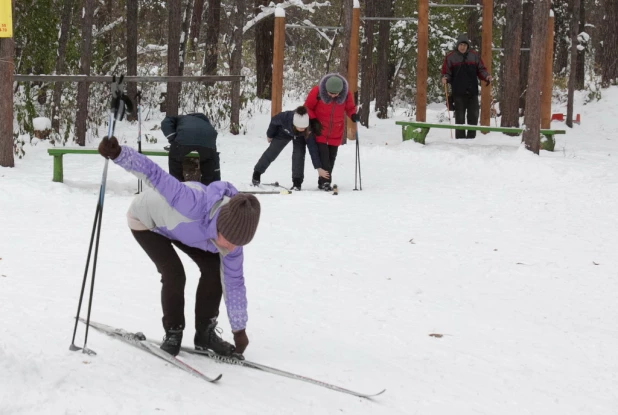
column 160, row 250
column 176, row 155
column 209, row 165
column 298, row 160
column 272, row 152
column 473, row 114
column 209, row 289
column 332, row 155
column 460, row 114
column 325, row 160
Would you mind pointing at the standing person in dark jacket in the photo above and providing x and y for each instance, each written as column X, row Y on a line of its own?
column 192, row 132
column 461, row 68
column 285, row 127
column 328, row 103
column 211, row 224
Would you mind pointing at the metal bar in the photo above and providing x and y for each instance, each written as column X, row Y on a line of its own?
column 390, row 18
column 96, row 78
column 480, row 6
column 298, row 26
column 522, row 49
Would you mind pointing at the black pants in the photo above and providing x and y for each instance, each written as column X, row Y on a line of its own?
column 209, row 291
column 469, row 104
column 298, row 157
column 328, row 155
column 209, row 162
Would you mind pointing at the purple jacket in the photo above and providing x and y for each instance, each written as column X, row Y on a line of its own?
column 188, row 212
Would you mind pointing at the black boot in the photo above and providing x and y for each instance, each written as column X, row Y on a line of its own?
column 297, row 183
column 210, row 339
column 172, row 341
column 256, row 178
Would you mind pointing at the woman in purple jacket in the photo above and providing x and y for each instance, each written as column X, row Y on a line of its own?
column 210, row 224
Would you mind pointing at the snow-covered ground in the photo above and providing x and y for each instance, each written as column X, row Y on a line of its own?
column 507, row 255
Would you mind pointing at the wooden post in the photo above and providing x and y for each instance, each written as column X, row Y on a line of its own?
column 353, row 63
column 421, row 61
column 488, row 12
column 278, row 51
column 7, row 69
column 548, row 78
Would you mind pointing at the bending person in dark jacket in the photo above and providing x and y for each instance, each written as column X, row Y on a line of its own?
column 192, row 132
column 461, row 68
column 285, row 127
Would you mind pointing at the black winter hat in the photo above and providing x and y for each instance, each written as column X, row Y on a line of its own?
column 463, row 38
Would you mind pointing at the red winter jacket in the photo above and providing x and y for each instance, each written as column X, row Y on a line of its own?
column 330, row 112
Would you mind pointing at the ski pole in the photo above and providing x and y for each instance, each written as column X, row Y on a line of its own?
column 119, row 104
column 139, row 133
column 357, row 165
column 448, row 109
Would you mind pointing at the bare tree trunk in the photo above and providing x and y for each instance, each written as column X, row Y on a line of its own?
column 264, row 37
column 65, row 27
column 473, row 25
column 609, row 52
column 510, row 80
column 213, row 27
column 526, row 36
column 7, row 50
column 236, row 63
column 132, row 8
column 531, row 134
column 580, row 77
column 573, row 66
column 382, row 69
column 367, row 66
column 196, row 23
column 346, row 23
column 562, row 19
column 81, row 118
column 186, row 22
column 173, row 56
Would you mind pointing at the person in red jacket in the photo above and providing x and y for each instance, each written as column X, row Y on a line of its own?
column 327, row 104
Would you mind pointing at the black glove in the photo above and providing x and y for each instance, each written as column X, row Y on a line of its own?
column 241, row 341
column 109, row 148
column 355, row 117
column 316, row 127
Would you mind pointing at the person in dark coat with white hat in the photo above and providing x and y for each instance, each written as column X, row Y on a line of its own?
column 285, row 127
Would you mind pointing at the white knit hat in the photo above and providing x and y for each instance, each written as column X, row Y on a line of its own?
column 301, row 118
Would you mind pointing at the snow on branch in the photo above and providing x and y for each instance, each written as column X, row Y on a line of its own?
column 321, row 33
column 270, row 10
column 108, row 27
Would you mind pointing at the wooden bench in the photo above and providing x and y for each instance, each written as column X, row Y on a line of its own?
column 417, row 131
column 57, row 153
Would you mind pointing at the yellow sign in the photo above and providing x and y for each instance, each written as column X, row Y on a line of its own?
column 6, row 21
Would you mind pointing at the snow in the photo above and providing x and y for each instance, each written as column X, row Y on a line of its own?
column 279, row 12
column 508, row 255
column 41, row 123
column 356, row 4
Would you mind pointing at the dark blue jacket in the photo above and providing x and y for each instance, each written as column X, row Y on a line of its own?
column 190, row 130
column 282, row 128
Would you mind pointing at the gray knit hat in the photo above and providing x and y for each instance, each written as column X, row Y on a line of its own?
column 334, row 84
column 239, row 218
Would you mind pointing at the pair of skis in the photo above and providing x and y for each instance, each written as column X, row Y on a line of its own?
column 284, row 191
column 139, row 340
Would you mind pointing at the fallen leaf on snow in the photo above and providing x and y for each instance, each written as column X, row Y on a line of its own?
column 438, row 335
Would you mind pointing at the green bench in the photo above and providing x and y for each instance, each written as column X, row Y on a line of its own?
column 417, row 131
column 57, row 153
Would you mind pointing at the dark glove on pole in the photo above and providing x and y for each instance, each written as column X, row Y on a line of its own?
column 109, row 148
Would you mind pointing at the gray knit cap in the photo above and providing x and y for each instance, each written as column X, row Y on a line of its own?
column 239, row 218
